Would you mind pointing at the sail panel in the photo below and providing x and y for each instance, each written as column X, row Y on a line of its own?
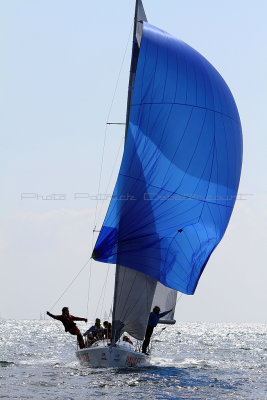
column 165, row 299
column 180, row 170
column 135, row 293
column 140, row 14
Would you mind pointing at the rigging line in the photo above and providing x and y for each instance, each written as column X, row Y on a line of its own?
column 88, row 291
column 115, row 123
column 109, row 180
column 102, row 292
column 109, row 112
column 100, row 176
column 89, row 280
column 106, row 281
column 73, row 280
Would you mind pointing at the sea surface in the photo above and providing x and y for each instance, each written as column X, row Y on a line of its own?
column 189, row 361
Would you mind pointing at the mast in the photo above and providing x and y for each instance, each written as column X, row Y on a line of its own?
column 139, row 17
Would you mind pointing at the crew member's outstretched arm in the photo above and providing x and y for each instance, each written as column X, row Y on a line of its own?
column 53, row 316
column 164, row 313
column 78, row 319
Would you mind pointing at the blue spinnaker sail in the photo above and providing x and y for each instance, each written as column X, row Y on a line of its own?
column 180, row 171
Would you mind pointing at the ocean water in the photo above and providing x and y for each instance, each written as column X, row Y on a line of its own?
column 189, row 361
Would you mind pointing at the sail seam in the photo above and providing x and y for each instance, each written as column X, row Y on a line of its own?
column 182, row 195
column 211, row 152
column 194, row 152
column 186, row 105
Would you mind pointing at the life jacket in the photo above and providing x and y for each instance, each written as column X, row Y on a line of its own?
column 68, row 322
column 97, row 328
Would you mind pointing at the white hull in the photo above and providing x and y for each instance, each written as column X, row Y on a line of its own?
column 111, row 357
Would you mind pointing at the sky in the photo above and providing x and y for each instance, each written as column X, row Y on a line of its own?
column 64, row 74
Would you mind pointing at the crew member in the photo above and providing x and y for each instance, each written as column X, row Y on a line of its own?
column 127, row 339
column 107, row 329
column 69, row 324
column 95, row 329
column 152, row 323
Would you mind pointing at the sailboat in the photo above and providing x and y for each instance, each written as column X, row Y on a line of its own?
column 176, row 186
